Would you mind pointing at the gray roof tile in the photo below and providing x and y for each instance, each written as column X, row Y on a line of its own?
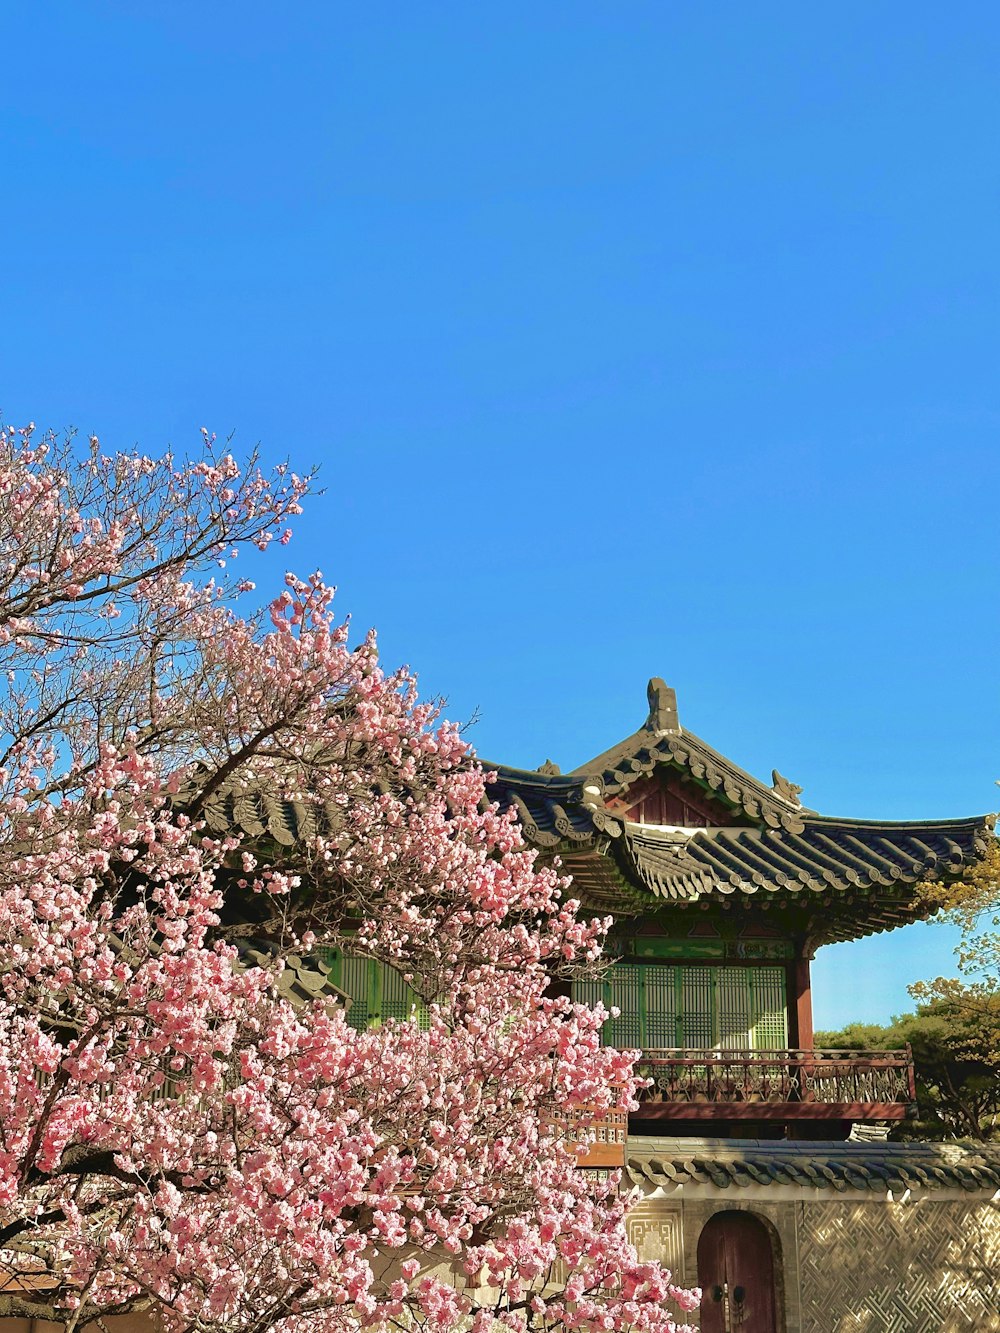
column 877, row 1167
column 875, row 861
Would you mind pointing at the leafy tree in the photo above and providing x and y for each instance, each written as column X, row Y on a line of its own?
column 178, row 1136
column 974, row 904
column 855, row 1037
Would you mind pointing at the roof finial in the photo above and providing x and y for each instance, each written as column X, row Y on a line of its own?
column 791, row 791
column 662, row 708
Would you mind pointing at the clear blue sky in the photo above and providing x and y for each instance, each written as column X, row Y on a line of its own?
column 632, row 339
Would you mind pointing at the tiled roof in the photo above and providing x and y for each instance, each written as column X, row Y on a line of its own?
column 735, row 1164
column 554, row 809
column 860, row 869
column 261, row 813
column 842, row 877
column 823, row 858
column 304, row 978
column 824, row 854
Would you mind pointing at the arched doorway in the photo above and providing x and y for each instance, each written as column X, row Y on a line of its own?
column 736, row 1275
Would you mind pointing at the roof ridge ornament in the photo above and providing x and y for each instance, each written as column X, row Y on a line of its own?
column 662, row 708
column 789, row 791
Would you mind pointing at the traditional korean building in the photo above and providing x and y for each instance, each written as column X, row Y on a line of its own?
column 767, row 1175
column 764, row 1165
column 765, row 1169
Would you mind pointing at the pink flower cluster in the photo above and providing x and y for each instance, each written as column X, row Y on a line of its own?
column 179, row 1135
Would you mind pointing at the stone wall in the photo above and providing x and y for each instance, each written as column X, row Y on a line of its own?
column 850, row 1263
column 925, row 1267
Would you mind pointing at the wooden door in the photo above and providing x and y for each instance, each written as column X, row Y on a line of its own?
column 736, row 1275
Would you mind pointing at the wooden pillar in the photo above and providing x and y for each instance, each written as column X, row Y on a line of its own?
column 802, row 998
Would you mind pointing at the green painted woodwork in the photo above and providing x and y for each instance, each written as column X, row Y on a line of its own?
column 702, row 1008
column 638, row 946
column 661, row 1005
column 378, row 992
column 661, row 948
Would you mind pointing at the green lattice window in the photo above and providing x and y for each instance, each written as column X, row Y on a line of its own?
column 705, row 1008
column 377, row 990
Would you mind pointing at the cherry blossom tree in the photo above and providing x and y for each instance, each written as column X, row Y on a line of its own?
column 181, row 1136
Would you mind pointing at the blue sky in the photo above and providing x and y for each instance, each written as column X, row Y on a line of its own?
column 631, row 339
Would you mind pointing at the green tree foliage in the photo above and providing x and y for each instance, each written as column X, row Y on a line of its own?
column 974, row 995
column 958, row 1081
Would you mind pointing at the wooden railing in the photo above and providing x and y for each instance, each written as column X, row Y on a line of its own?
column 793, row 1084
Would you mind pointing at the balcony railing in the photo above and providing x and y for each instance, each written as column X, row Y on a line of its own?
column 776, row 1085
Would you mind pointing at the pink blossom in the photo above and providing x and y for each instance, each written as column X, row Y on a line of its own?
column 193, row 1134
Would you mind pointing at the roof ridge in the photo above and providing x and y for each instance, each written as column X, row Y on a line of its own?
column 960, row 821
column 698, row 1148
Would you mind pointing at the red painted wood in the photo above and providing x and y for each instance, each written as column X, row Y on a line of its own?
column 655, row 800
column 735, row 1260
column 802, row 998
column 712, row 1273
column 607, row 1131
